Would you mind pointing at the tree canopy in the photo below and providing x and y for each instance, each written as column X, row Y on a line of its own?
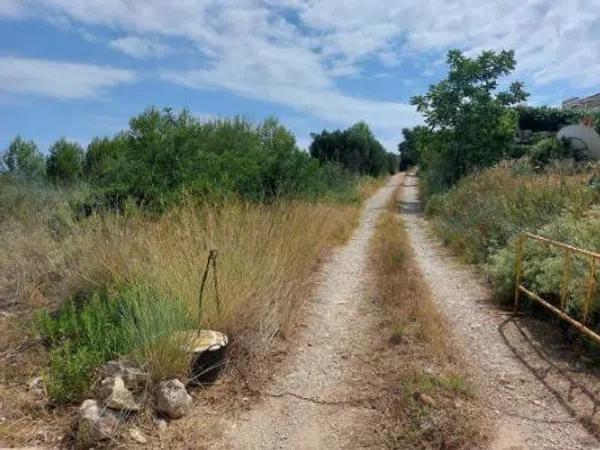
column 472, row 123
column 355, row 148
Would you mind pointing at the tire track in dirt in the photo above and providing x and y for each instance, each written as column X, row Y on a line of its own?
column 527, row 412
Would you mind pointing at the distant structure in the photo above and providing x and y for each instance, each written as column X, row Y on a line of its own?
column 591, row 103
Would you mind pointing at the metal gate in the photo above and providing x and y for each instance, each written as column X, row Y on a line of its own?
column 569, row 252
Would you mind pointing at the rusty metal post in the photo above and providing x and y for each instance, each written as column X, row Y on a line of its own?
column 591, row 286
column 518, row 268
column 564, row 287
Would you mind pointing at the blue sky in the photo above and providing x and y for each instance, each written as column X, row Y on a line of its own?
column 81, row 68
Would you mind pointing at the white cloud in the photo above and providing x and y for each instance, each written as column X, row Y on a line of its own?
column 11, row 8
column 62, row 80
column 140, row 47
column 251, row 48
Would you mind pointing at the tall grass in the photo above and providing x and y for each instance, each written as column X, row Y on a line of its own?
column 484, row 211
column 482, row 216
column 152, row 268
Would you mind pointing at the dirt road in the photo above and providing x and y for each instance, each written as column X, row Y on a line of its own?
column 321, row 401
column 524, row 387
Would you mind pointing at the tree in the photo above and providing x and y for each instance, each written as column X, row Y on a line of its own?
column 102, row 157
column 473, row 124
column 23, row 159
column 355, row 148
column 65, row 162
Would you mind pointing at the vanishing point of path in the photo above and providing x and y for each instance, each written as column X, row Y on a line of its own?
column 316, row 402
column 533, row 400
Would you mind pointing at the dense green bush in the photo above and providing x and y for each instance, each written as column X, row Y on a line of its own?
column 134, row 321
column 544, row 118
column 551, row 149
column 165, row 155
column 355, row 148
column 543, row 266
column 65, row 162
column 22, row 159
column 547, row 118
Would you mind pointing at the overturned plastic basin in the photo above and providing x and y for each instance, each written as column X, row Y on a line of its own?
column 207, row 349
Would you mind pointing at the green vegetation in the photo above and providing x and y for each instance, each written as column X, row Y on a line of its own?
column 470, row 124
column 356, row 149
column 134, row 321
column 165, row 156
column 109, row 243
column 482, row 216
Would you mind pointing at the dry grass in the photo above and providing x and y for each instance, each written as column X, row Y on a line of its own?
column 266, row 257
column 431, row 404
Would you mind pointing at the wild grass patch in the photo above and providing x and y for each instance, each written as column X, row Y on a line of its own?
column 433, row 403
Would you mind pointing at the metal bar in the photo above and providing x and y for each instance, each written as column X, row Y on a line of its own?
column 591, row 286
column 518, row 269
column 564, row 287
column 562, row 245
column 561, row 314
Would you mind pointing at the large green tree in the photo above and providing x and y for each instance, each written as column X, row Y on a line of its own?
column 23, row 159
column 472, row 123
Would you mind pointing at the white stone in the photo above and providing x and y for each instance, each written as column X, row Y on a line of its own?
column 95, row 424
column 117, row 396
column 137, row 436
column 172, row 398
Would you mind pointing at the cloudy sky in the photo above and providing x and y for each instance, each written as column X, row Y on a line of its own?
column 80, row 68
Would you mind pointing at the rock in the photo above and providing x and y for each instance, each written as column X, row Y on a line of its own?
column 424, row 399
column 207, row 350
column 137, row 436
column 161, row 424
column 117, row 396
column 95, row 424
column 172, row 399
column 203, row 340
column 134, row 377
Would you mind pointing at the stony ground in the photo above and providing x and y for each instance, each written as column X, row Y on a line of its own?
column 539, row 393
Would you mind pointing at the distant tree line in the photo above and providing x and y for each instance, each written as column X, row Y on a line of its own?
column 356, row 149
column 164, row 155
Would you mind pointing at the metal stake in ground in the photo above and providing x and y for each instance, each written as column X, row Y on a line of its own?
column 211, row 261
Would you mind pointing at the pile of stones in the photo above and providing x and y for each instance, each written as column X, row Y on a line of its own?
column 125, row 388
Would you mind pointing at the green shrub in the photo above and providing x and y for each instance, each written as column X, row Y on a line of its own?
column 135, row 321
column 551, row 149
column 543, row 266
column 355, row 148
column 65, row 162
column 23, row 160
column 165, row 156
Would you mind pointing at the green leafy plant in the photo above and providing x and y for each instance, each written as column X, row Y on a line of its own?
column 471, row 124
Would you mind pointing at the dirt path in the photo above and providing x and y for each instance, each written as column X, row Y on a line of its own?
column 524, row 391
column 321, row 400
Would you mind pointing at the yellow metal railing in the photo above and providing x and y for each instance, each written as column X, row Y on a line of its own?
column 591, row 282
